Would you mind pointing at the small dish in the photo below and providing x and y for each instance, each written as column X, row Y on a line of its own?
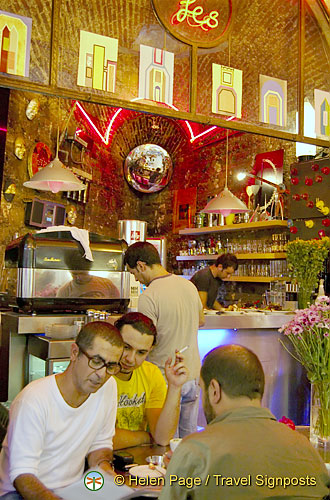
column 155, row 460
column 146, row 471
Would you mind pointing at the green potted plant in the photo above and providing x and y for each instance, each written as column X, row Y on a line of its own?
column 305, row 260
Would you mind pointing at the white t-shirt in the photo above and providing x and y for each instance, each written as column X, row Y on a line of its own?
column 50, row 439
column 173, row 304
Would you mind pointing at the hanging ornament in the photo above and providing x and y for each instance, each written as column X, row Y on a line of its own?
column 308, row 181
column 318, row 178
column 296, row 197
column 294, row 171
column 319, row 204
column 293, row 229
column 309, row 223
column 304, row 196
column 310, row 204
column 326, row 222
column 325, row 170
column 294, row 181
column 325, row 210
column 315, row 167
column 321, row 233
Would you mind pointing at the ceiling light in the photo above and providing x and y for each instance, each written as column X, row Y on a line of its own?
column 55, row 176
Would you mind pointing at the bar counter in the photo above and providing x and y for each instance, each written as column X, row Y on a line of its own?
column 286, row 385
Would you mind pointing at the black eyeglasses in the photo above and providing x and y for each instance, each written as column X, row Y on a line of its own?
column 97, row 363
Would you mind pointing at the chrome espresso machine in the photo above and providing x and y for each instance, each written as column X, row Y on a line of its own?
column 50, row 282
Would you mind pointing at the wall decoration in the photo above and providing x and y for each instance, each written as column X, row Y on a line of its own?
column 322, row 113
column 201, row 23
column 15, row 40
column 40, row 155
column 19, row 147
column 71, row 214
column 32, row 109
column 273, row 100
column 184, row 208
column 269, row 166
column 156, row 74
column 9, row 190
column 98, row 56
column 148, row 168
column 226, row 90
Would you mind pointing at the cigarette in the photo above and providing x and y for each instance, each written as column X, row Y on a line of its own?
column 183, row 349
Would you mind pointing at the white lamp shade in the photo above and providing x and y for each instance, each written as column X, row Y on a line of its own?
column 55, row 177
column 225, row 203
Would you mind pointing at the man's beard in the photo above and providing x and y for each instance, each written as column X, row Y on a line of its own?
column 208, row 410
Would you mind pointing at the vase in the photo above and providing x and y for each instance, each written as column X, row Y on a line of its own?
column 304, row 297
column 320, row 418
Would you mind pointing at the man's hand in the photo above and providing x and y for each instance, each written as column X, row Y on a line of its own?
column 177, row 374
column 167, row 457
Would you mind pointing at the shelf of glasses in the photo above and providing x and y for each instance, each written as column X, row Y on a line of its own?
column 236, row 227
column 240, row 256
column 257, row 279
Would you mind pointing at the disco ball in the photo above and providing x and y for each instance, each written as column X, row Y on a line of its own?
column 148, row 168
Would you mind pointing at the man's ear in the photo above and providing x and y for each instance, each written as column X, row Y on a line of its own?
column 214, row 391
column 74, row 351
column 141, row 266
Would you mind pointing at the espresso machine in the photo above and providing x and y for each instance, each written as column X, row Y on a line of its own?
column 50, row 282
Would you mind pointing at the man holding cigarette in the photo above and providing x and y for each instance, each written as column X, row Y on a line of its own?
column 147, row 411
column 174, row 306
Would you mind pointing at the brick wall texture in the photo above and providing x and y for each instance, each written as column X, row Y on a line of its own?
column 264, row 39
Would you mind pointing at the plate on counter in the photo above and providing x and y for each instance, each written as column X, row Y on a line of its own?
column 232, row 312
column 275, row 311
column 146, row 471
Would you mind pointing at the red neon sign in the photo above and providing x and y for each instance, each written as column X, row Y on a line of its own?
column 105, row 138
column 193, row 16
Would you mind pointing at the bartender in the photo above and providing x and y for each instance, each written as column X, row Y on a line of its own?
column 209, row 279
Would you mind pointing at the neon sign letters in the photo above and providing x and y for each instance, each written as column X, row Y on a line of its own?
column 193, row 16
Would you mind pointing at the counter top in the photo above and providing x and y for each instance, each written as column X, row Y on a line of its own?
column 246, row 320
column 35, row 324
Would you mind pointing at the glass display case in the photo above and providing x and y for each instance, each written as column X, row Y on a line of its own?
column 46, row 356
column 39, row 368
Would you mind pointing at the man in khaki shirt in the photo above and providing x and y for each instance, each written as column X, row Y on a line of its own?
column 244, row 453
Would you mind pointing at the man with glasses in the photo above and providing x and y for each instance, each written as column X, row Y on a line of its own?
column 147, row 411
column 57, row 421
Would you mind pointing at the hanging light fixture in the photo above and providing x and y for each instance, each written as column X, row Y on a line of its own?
column 226, row 202
column 55, row 176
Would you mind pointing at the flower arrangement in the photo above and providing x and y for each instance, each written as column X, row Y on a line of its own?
column 305, row 260
column 309, row 334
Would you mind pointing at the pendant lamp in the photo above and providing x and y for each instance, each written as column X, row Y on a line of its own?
column 226, row 202
column 55, row 176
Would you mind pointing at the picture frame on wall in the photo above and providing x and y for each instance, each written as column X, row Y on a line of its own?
column 184, row 208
